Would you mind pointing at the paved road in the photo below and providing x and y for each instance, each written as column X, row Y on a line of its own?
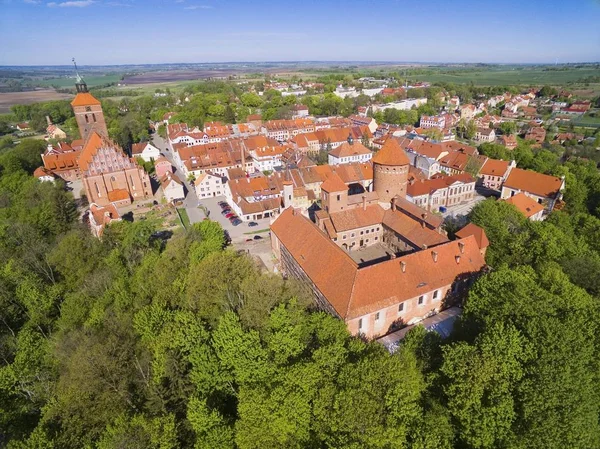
column 462, row 209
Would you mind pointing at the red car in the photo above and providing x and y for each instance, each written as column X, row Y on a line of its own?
column 231, row 215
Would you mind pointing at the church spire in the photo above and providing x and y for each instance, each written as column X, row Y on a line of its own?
column 80, row 83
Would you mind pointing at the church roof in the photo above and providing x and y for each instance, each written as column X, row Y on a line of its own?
column 84, row 99
column 391, row 154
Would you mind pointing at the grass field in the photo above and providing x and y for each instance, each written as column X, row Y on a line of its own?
column 7, row 99
column 506, row 76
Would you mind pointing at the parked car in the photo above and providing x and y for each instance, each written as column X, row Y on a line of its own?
column 249, row 240
column 236, row 222
column 252, row 224
column 257, row 237
column 226, row 211
column 224, row 205
column 231, row 215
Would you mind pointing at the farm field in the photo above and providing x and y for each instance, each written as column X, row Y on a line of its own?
column 7, row 99
column 90, row 80
column 499, row 76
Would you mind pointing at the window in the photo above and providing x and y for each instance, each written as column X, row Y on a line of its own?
column 400, row 307
column 94, row 117
column 376, row 238
column 362, row 232
column 360, row 324
column 435, row 294
column 339, row 197
column 421, row 300
column 377, row 316
column 367, row 231
column 344, row 237
column 87, row 120
column 352, row 235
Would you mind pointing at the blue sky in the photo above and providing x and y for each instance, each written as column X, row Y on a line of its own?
column 41, row 32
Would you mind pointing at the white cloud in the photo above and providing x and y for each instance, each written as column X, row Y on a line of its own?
column 198, row 7
column 72, row 4
column 31, row 2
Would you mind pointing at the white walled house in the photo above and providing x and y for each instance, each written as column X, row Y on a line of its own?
column 146, row 151
column 172, row 188
column 349, row 152
column 209, row 185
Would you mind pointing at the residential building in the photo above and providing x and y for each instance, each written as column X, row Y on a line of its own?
column 485, row 135
column 172, row 188
column 494, row 172
column 162, row 166
column 299, row 111
column 348, row 152
column 369, row 122
column 44, row 175
column 145, row 150
column 544, row 189
column 432, row 121
column 509, row 141
column 536, row 133
column 529, row 207
column 468, row 111
column 99, row 217
column 54, row 132
column 441, row 191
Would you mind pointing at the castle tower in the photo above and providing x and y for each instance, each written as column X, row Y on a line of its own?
column 334, row 194
column 390, row 171
column 88, row 110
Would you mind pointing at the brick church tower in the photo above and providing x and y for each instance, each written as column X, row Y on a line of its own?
column 390, row 171
column 88, row 111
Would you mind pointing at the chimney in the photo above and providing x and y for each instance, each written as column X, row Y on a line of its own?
column 461, row 247
column 394, row 203
column 457, row 258
column 412, row 181
column 364, row 202
column 403, row 266
column 294, row 211
column 434, row 254
column 423, row 224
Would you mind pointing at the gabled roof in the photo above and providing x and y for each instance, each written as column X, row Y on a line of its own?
column 526, row 205
column 533, row 182
column 494, row 167
column 391, row 154
column 84, row 99
column 475, row 231
column 334, row 183
column 357, row 218
column 346, row 149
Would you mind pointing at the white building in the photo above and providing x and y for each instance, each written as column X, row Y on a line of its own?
column 172, row 188
column 349, row 152
column 209, row 185
column 267, row 159
column 402, row 105
column 146, row 151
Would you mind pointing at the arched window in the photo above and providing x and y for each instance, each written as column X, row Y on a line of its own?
column 87, row 119
column 94, row 117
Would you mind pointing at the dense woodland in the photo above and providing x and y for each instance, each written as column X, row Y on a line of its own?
column 137, row 341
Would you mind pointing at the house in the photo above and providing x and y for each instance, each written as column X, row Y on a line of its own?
column 358, row 120
column 162, row 166
column 576, row 108
column 23, row 126
column 485, row 135
column 432, row 121
column 209, row 185
column 348, row 152
column 172, row 188
column 509, row 141
column 54, row 132
column 254, row 198
column 299, row 111
column 544, row 189
column 145, row 150
column 377, row 298
column 468, row 111
column 441, row 191
column 99, row 217
column 536, row 133
column 269, row 158
column 44, row 175
column 494, row 172
column 529, row 207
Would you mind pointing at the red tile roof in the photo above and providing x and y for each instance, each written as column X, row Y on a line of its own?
column 391, row 154
column 334, row 183
column 84, row 99
column 533, row 182
column 494, row 167
column 475, row 231
column 526, row 205
column 346, row 149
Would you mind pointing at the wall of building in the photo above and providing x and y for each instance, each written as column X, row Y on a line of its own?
column 354, row 239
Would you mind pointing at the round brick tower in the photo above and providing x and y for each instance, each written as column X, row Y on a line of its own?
column 390, row 171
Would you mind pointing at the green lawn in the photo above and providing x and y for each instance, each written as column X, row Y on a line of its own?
column 184, row 217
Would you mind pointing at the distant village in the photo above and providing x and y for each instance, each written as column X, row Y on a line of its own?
column 365, row 230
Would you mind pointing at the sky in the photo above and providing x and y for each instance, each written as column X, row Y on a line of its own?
column 106, row 32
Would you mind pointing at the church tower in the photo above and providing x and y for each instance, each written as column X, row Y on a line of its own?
column 88, row 110
column 390, row 171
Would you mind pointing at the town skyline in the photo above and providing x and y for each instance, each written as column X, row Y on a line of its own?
column 221, row 32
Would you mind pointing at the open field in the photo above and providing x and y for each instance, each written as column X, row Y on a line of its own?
column 494, row 76
column 7, row 99
column 69, row 81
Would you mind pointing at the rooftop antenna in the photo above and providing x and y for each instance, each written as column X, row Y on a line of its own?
column 79, row 83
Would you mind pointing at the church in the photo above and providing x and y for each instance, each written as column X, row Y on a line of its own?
column 109, row 175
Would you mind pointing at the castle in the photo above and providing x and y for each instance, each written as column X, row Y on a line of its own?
column 373, row 258
column 109, row 175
